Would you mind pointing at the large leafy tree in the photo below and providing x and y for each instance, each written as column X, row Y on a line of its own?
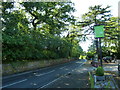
column 51, row 16
column 99, row 15
column 95, row 16
column 33, row 31
column 112, row 36
column 14, row 25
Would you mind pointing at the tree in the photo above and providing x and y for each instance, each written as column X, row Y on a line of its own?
column 33, row 31
column 112, row 36
column 51, row 16
column 97, row 15
column 91, row 51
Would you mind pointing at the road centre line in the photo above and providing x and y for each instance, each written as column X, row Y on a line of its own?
column 49, row 83
column 62, row 67
column 45, row 73
column 14, row 83
column 53, row 80
column 82, row 64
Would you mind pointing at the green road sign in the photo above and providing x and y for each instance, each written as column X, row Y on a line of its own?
column 99, row 31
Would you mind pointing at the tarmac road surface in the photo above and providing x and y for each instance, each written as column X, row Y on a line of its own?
column 41, row 78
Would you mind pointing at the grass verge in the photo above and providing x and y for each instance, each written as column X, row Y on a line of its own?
column 22, row 66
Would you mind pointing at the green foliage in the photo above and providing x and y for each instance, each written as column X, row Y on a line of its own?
column 111, row 43
column 76, row 51
column 100, row 71
column 91, row 51
column 101, row 15
column 33, row 32
column 96, row 15
column 90, row 55
column 52, row 15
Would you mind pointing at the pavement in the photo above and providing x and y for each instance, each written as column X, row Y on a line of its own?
column 79, row 78
column 113, row 67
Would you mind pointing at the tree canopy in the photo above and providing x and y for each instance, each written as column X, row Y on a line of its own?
column 98, row 15
column 33, row 31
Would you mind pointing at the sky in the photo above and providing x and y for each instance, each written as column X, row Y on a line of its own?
column 82, row 6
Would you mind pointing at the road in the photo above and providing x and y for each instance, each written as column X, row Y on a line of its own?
column 41, row 78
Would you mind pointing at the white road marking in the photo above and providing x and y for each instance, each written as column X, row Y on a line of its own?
column 62, row 67
column 29, row 72
column 49, row 83
column 25, row 73
column 45, row 73
column 83, row 63
column 14, row 83
column 78, row 61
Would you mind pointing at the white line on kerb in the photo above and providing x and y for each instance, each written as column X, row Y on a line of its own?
column 14, row 83
column 45, row 73
column 49, row 83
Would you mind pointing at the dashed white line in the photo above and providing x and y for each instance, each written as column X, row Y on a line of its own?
column 82, row 64
column 14, row 83
column 45, row 73
column 62, row 67
column 49, row 83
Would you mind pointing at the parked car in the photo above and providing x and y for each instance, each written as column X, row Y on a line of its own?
column 107, row 59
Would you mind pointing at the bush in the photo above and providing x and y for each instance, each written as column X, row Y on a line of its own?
column 100, row 71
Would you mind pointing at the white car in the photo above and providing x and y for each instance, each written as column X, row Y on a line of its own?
column 107, row 59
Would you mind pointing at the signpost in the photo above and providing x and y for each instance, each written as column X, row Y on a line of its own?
column 99, row 33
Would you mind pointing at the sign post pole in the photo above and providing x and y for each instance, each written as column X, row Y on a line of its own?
column 99, row 33
column 100, row 52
